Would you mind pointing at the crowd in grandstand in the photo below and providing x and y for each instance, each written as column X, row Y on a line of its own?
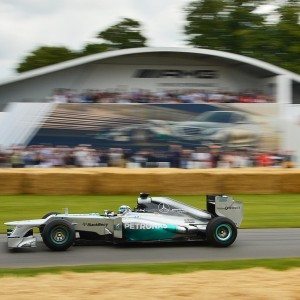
column 42, row 156
column 143, row 96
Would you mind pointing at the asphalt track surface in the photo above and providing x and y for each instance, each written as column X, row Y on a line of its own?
column 258, row 243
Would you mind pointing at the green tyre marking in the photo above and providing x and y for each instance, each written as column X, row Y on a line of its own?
column 223, row 233
column 59, row 235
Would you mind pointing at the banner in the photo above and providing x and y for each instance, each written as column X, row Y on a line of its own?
column 238, row 125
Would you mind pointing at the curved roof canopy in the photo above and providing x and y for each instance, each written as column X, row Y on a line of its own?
column 117, row 53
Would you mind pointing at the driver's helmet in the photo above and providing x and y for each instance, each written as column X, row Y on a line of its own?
column 124, row 209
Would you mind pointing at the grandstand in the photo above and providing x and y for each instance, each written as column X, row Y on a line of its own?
column 154, row 69
column 26, row 98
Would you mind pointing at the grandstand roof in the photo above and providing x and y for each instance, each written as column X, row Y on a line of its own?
column 258, row 64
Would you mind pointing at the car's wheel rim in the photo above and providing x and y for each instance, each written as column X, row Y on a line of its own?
column 59, row 235
column 223, row 232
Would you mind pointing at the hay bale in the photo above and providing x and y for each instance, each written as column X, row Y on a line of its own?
column 155, row 181
column 290, row 182
column 189, row 182
column 58, row 182
column 117, row 181
column 11, row 182
column 240, row 182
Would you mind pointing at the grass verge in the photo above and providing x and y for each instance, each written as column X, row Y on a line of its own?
column 161, row 268
column 260, row 211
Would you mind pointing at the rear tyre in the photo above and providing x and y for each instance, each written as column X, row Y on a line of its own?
column 221, row 232
column 58, row 235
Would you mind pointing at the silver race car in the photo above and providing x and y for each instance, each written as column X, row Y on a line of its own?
column 155, row 219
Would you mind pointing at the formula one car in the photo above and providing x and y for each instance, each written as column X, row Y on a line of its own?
column 225, row 128
column 155, row 219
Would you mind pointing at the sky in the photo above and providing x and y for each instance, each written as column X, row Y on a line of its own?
column 28, row 24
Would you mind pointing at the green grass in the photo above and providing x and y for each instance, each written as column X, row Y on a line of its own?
column 260, row 211
column 162, row 268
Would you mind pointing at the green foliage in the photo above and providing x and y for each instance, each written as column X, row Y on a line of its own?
column 261, row 211
column 125, row 34
column 226, row 25
column 93, row 49
column 221, row 24
column 45, row 56
column 288, row 29
column 232, row 25
column 206, row 24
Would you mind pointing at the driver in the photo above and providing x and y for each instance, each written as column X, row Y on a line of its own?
column 123, row 209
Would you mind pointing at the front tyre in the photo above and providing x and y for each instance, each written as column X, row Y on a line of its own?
column 41, row 228
column 49, row 214
column 58, row 235
column 221, row 232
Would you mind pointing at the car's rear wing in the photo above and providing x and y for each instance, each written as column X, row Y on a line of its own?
column 225, row 206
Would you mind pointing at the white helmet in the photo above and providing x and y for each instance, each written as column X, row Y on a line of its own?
column 124, row 209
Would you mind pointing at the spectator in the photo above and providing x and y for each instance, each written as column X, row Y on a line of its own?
column 116, row 157
column 70, row 159
column 201, row 157
column 174, row 157
column 215, row 156
column 264, row 160
column 174, row 96
column 3, row 159
column 16, row 159
column 288, row 160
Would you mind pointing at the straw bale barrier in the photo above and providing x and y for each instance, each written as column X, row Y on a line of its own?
column 11, row 182
column 117, row 181
column 58, row 182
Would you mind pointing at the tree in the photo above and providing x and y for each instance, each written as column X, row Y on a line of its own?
column 233, row 25
column 93, row 49
column 243, row 25
column 279, row 43
column 288, row 29
column 206, row 24
column 125, row 34
column 45, row 56
column 222, row 24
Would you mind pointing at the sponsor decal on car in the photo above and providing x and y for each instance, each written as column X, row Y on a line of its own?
column 118, row 226
column 223, row 199
column 229, row 207
column 93, row 224
column 138, row 226
column 163, row 208
column 189, row 221
column 178, row 210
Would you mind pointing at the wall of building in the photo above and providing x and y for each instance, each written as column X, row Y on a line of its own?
column 296, row 93
column 189, row 71
column 290, row 126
